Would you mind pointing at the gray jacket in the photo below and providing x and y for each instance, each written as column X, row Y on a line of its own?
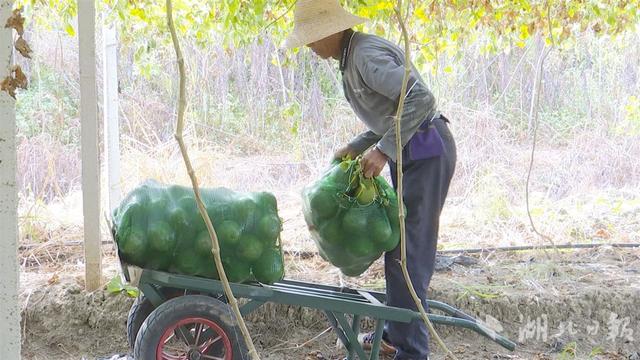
column 372, row 72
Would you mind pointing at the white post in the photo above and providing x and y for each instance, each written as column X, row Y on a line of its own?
column 89, row 144
column 110, row 111
column 9, row 310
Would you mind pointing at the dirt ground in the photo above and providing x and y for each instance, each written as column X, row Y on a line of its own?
column 574, row 304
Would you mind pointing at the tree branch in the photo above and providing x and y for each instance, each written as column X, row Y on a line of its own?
column 399, row 160
column 279, row 17
column 534, row 121
column 215, row 248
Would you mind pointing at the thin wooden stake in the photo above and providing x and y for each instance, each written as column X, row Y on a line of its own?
column 215, row 247
column 401, row 213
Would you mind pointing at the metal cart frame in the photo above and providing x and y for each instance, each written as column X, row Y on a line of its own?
column 336, row 302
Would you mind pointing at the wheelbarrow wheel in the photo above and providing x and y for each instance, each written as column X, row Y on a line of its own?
column 139, row 312
column 190, row 327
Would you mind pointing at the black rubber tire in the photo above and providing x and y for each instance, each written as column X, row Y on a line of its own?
column 138, row 313
column 141, row 309
column 184, row 307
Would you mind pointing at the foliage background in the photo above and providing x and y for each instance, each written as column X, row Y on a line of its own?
column 261, row 118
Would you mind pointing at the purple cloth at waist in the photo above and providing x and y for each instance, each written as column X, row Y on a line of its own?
column 426, row 142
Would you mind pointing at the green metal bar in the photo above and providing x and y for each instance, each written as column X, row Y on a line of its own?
column 250, row 306
column 315, row 286
column 342, row 306
column 254, row 291
column 372, row 299
column 346, row 292
column 337, row 293
column 382, row 297
column 478, row 328
column 151, row 293
column 353, row 339
column 336, row 328
column 334, row 295
column 355, row 327
column 377, row 339
column 448, row 309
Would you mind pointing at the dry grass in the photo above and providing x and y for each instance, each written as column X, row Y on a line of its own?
column 487, row 215
column 252, row 129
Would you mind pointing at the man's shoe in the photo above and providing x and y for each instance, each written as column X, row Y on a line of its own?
column 366, row 341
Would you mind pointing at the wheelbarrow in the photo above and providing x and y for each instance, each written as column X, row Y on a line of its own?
column 187, row 317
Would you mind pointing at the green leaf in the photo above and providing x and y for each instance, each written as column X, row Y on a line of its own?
column 69, row 29
column 131, row 291
column 115, row 285
column 137, row 12
column 493, row 25
column 294, row 128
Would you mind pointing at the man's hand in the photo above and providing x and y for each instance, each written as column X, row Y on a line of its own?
column 373, row 162
column 345, row 151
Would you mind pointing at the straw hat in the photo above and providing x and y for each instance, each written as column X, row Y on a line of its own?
column 316, row 19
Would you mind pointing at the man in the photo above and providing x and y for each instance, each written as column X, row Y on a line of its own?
column 372, row 73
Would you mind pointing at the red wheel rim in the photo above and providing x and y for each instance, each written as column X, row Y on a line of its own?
column 194, row 339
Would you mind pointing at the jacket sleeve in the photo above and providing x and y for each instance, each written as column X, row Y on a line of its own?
column 364, row 141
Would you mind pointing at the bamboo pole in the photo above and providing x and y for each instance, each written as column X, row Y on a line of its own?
column 399, row 161
column 215, row 247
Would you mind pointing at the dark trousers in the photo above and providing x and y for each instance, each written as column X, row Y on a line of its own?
column 426, row 183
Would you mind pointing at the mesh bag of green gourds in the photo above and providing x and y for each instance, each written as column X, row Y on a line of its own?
column 352, row 219
column 159, row 227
